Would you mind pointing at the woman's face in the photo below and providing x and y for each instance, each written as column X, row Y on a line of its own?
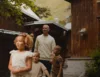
column 20, row 44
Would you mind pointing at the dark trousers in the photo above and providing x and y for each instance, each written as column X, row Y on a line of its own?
column 47, row 64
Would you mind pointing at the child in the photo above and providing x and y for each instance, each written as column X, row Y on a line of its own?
column 57, row 63
column 38, row 69
column 20, row 62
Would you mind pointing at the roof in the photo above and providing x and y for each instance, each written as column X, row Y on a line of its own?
column 27, row 11
column 68, row 26
column 44, row 22
column 9, row 32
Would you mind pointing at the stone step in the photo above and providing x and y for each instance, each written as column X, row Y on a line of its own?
column 76, row 67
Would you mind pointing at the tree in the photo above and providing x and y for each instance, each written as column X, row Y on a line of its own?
column 43, row 12
column 11, row 9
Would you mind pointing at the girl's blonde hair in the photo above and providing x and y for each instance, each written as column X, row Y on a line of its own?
column 28, row 40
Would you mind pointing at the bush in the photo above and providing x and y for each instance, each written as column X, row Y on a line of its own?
column 93, row 68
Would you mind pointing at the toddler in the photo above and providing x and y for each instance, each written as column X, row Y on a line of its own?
column 38, row 68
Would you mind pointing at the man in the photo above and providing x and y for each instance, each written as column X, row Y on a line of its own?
column 45, row 43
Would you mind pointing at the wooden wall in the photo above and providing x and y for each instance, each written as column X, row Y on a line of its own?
column 98, row 21
column 6, row 45
column 83, row 16
column 9, row 24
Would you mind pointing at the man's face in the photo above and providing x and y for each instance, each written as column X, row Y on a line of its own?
column 45, row 29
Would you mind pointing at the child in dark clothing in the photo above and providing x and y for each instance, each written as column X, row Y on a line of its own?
column 57, row 63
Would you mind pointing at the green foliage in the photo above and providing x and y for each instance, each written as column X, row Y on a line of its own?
column 11, row 9
column 43, row 12
column 48, row 18
column 93, row 68
column 63, row 22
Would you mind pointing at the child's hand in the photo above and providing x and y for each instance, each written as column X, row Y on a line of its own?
column 15, row 71
column 52, row 56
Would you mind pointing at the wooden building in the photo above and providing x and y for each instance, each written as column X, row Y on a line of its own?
column 98, row 20
column 85, row 27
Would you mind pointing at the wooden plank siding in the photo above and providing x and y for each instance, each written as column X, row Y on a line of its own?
column 83, row 16
column 98, row 21
column 9, row 24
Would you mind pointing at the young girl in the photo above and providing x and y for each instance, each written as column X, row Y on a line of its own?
column 20, row 62
column 38, row 68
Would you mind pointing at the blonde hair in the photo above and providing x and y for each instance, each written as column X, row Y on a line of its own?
column 28, row 40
